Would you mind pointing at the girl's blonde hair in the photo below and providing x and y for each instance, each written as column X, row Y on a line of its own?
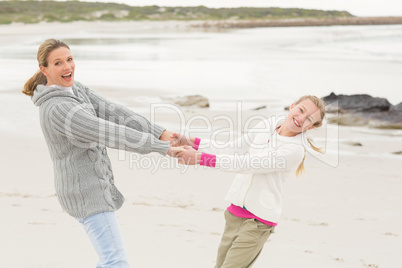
column 42, row 56
column 321, row 106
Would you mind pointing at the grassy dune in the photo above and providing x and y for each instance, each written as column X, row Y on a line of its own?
column 243, row 17
column 49, row 11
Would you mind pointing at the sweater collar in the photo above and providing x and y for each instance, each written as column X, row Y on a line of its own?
column 44, row 93
column 68, row 89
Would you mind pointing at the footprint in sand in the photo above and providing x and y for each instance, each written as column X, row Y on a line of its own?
column 36, row 223
column 370, row 265
column 318, row 223
column 390, row 234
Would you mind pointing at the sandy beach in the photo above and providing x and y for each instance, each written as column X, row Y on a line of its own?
column 345, row 212
column 346, row 215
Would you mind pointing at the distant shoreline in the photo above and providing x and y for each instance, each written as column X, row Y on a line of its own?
column 299, row 22
column 221, row 24
column 237, row 24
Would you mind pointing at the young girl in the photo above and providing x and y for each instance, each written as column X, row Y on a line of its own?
column 78, row 125
column 263, row 158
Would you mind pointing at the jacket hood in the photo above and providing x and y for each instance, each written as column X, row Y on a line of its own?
column 44, row 93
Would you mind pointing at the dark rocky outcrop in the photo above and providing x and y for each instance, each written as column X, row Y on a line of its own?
column 356, row 103
column 397, row 107
column 363, row 110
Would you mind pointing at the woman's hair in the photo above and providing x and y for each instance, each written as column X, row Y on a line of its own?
column 321, row 106
column 43, row 53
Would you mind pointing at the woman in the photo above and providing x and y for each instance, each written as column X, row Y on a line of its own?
column 78, row 125
column 263, row 158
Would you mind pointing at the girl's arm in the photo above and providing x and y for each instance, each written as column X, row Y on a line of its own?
column 286, row 157
column 239, row 146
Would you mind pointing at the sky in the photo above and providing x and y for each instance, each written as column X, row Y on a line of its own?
column 355, row 7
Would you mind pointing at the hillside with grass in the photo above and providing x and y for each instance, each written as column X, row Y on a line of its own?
column 243, row 17
column 49, row 11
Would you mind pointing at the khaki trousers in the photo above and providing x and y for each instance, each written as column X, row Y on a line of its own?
column 242, row 242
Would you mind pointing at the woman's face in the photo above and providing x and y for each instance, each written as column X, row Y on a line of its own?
column 302, row 116
column 60, row 68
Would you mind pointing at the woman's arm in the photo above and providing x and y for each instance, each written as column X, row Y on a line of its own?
column 80, row 126
column 121, row 115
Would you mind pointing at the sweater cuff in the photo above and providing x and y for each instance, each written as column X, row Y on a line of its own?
column 156, row 130
column 161, row 147
column 208, row 160
column 196, row 143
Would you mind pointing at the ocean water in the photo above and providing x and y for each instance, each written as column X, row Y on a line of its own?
column 268, row 67
column 261, row 64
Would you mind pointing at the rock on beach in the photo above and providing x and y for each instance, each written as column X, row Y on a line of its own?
column 191, row 100
column 363, row 110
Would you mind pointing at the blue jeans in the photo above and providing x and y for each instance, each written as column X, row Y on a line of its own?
column 104, row 232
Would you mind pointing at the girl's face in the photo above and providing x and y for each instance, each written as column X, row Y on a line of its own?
column 60, row 68
column 302, row 116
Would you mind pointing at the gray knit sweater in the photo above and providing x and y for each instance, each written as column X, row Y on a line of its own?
column 78, row 127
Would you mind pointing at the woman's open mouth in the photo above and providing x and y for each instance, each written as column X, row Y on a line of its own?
column 67, row 76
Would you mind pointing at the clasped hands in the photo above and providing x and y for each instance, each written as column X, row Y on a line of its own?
column 181, row 147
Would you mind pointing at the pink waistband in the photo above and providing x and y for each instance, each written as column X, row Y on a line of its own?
column 244, row 213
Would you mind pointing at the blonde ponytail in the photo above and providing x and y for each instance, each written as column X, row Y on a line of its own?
column 321, row 106
column 300, row 169
column 37, row 79
column 43, row 53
